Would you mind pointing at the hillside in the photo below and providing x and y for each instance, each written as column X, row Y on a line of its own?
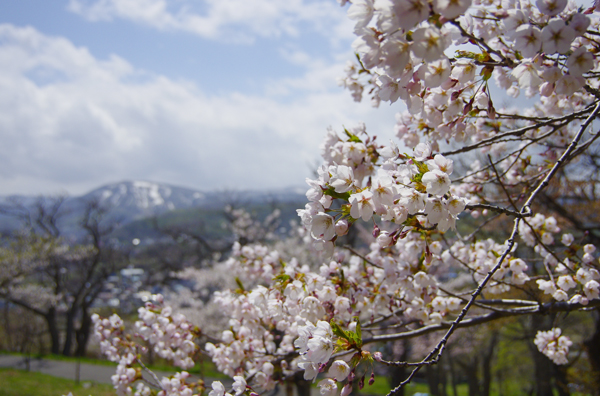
column 140, row 208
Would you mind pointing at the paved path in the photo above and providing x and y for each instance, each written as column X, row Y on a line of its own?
column 93, row 372
column 68, row 369
column 59, row 368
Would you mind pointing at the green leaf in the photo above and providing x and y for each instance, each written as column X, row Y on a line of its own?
column 421, row 166
column 282, row 278
column 331, row 192
column 352, row 137
column 417, row 178
column 355, row 359
column 466, row 54
column 352, row 338
column 337, row 330
column 358, row 332
column 239, row 283
column 486, row 72
column 484, row 57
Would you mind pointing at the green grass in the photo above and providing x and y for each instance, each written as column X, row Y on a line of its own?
column 23, row 383
column 381, row 387
column 205, row 369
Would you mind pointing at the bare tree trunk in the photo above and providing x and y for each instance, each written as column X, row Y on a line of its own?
column 592, row 346
column 434, row 374
column 542, row 365
column 50, row 318
column 470, row 370
column 500, row 380
column 82, row 334
column 397, row 374
column 453, row 375
column 543, row 370
column 69, row 331
column 443, row 379
column 302, row 385
column 486, row 365
column 560, row 380
column 289, row 388
column 7, row 329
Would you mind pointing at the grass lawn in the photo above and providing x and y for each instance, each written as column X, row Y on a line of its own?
column 23, row 383
column 381, row 387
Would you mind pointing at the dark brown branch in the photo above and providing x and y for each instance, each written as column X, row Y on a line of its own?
column 497, row 209
column 518, row 132
column 547, row 308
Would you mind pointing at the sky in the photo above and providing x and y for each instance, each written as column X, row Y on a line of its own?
column 206, row 94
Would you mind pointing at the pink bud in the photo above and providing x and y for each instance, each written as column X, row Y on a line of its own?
column 491, row 110
column 449, row 83
column 455, row 95
column 468, row 107
column 376, row 231
column 341, row 227
column 546, row 89
column 351, row 376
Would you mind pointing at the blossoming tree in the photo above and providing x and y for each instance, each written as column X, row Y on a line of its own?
column 451, row 63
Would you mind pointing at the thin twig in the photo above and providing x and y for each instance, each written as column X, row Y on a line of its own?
column 157, row 385
column 550, row 307
column 562, row 158
column 518, row 132
column 497, row 209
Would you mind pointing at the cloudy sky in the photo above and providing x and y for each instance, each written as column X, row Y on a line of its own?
column 206, row 94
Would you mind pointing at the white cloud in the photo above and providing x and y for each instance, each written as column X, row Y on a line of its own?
column 224, row 20
column 71, row 121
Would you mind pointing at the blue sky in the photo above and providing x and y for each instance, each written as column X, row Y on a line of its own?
column 207, row 94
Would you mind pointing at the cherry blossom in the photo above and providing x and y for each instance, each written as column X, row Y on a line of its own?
column 464, row 150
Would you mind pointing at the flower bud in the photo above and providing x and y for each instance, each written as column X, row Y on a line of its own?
column 384, row 239
column 341, row 227
column 376, row 231
column 546, row 89
column 346, row 390
column 449, row 83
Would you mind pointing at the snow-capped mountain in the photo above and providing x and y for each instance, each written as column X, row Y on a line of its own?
column 146, row 198
column 128, row 201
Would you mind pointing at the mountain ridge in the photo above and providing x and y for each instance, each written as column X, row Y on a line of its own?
column 131, row 200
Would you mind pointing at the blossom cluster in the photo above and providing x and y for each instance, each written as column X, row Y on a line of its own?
column 440, row 58
column 113, row 344
column 170, row 336
column 296, row 313
column 481, row 256
column 543, row 49
column 554, row 345
column 397, row 189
